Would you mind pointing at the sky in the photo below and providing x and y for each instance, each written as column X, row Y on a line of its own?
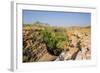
column 54, row 18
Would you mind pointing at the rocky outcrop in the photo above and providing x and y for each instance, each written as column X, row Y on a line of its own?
column 77, row 46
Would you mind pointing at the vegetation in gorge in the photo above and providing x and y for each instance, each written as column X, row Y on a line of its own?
column 42, row 42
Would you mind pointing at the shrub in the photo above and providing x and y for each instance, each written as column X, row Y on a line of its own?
column 52, row 40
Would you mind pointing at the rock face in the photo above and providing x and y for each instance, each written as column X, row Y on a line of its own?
column 77, row 46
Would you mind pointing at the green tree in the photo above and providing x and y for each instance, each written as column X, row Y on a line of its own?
column 52, row 41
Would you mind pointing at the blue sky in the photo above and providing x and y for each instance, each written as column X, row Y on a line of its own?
column 57, row 18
